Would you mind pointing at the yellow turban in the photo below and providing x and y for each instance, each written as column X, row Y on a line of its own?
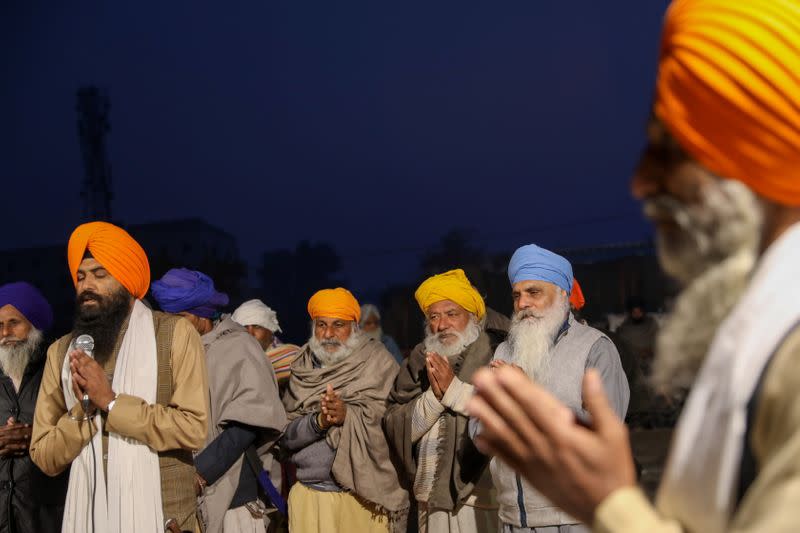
column 729, row 90
column 334, row 303
column 113, row 248
column 453, row 286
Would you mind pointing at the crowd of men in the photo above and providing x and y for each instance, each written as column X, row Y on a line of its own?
column 187, row 418
column 175, row 418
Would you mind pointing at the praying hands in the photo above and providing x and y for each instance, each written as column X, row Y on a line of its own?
column 574, row 467
column 334, row 410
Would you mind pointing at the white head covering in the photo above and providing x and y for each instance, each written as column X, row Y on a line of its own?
column 367, row 310
column 256, row 313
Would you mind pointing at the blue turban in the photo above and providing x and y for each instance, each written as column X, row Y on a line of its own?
column 187, row 290
column 29, row 301
column 531, row 262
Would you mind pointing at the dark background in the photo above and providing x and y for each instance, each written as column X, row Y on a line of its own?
column 372, row 131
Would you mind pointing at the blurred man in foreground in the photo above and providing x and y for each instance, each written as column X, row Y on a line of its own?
column 720, row 177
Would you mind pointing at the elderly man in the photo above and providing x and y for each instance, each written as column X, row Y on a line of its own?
column 261, row 322
column 128, row 418
column 246, row 411
column 371, row 326
column 552, row 348
column 720, row 179
column 30, row 501
column 335, row 401
column 426, row 421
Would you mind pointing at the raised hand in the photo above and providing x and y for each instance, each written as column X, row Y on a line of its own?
column 439, row 372
column 89, row 377
column 334, row 410
column 575, row 467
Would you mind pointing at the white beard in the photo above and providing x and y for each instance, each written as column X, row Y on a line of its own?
column 376, row 334
column 434, row 341
column 714, row 260
column 14, row 359
column 342, row 351
column 532, row 336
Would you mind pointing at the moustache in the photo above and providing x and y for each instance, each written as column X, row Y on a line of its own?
column 86, row 296
column 330, row 342
column 662, row 208
column 10, row 340
column 528, row 313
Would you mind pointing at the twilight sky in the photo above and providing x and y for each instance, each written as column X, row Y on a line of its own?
column 374, row 126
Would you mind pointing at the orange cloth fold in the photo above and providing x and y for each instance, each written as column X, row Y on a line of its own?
column 576, row 298
column 113, row 248
column 728, row 90
column 334, row 303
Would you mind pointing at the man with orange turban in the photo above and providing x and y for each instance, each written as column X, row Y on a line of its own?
column 720, row 178
column 335, row 401
column 124, row 396
column 426, row 422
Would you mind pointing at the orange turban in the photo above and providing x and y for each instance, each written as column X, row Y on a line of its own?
column 334, row 303
column 113, row 248
column 576, row 298
column 729, row 90
column 453, row 286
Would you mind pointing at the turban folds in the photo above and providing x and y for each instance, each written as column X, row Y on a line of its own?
column 453, row 286
column 256, row 313
column 334, row 303
column 187, row 290
column 576, row 298
column 531, row 262
column 113, row 248
column 728, row 90
column 30, row 302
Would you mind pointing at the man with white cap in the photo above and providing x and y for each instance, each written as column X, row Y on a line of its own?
column 261, row 322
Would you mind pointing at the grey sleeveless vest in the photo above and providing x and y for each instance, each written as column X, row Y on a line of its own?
column 520, row 504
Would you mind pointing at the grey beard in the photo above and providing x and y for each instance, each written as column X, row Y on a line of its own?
column 14, row 359
column 684, row 339
column 532, row 340
column 343, row 351
column 726, row 221
column 713, row 258
column 376, row 334
column 433, row 341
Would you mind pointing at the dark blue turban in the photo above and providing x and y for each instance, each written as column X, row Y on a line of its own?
column 29, row 301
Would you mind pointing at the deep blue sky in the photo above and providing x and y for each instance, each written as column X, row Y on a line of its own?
column 371, row 125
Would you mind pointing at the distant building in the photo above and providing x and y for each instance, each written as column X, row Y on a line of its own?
column 184, row 242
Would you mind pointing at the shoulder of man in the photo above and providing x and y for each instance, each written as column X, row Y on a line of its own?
column 585, row 332
column 496, row 337
column 58, row 349
column 376, row 351
column 165, row 321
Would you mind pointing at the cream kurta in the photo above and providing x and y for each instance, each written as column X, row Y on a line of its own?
column 57, row 439
column 771, row 502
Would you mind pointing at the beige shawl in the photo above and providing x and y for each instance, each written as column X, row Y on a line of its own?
column 243, row 389
column 363, row 463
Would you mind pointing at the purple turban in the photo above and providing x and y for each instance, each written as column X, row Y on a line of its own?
column 29, row 301
column 187, row 290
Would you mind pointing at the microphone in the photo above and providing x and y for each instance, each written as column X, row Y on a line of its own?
column 85, row 343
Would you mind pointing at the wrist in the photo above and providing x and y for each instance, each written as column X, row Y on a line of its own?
column 321, row 422
column 107, row 402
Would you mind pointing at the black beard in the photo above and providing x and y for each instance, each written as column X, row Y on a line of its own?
column 103, row 321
